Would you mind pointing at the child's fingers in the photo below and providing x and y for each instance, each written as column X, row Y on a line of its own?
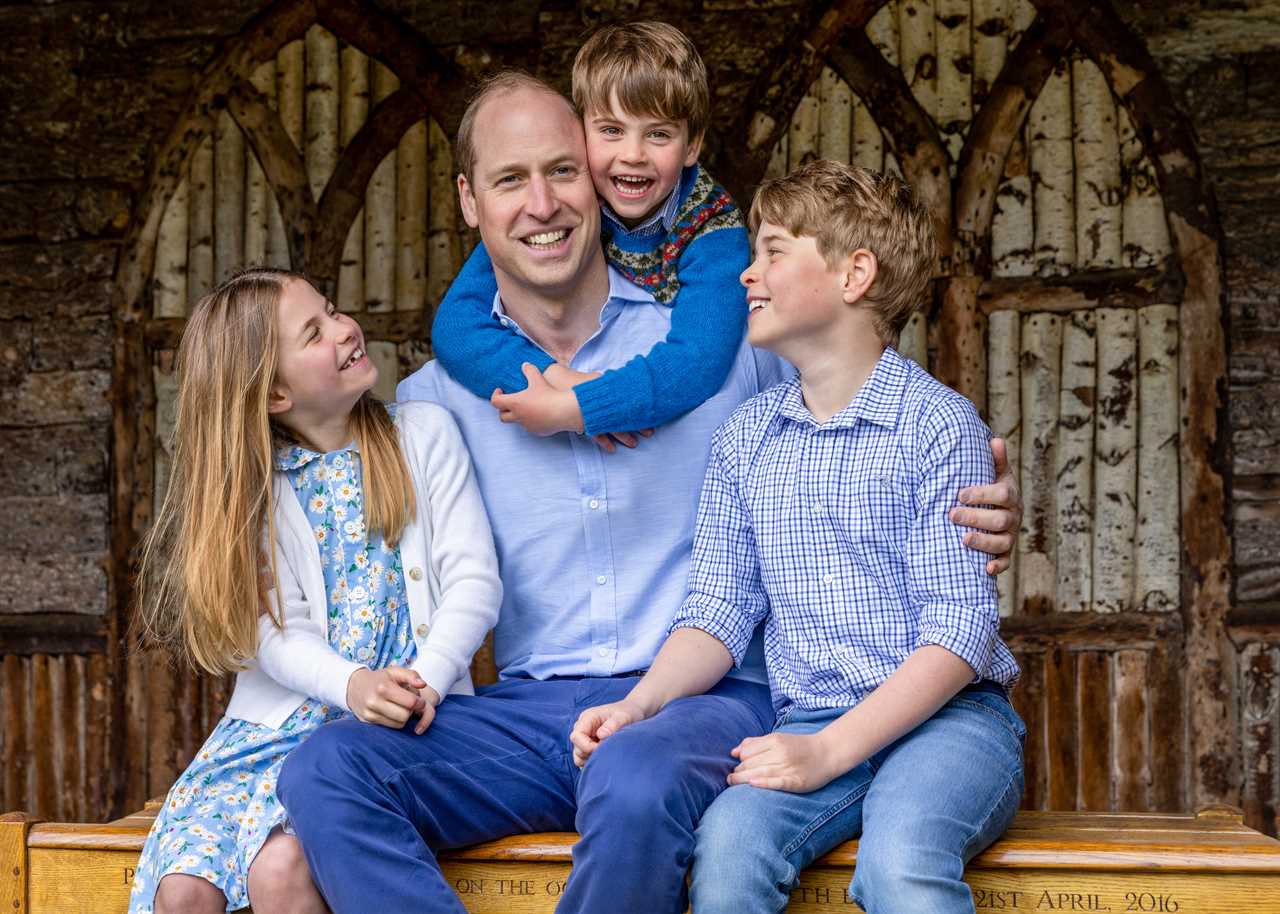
column 647, row 432
column 406, row 677
column 626, row 439
column 428, row 713
column 605, row 443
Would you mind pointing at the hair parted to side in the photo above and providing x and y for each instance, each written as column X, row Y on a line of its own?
column 201, row 584
column 651, row 67
column 499, row 83
column 846, row 207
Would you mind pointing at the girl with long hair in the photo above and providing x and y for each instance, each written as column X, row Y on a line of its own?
column 330, row 550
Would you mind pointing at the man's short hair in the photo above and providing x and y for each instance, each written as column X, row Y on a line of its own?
column 499, row 83
column 652, row 67
column 846, row 207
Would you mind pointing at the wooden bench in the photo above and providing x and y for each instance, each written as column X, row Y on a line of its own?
column 1203, row 864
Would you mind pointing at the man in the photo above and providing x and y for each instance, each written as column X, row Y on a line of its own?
column 593, row 550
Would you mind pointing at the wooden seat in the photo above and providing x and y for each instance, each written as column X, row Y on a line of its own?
column 1048, row 861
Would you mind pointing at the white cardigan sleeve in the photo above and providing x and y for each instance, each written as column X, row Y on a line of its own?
column 463, row 559
column 299, row 656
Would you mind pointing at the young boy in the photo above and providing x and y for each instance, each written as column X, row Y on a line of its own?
column 668, row 227
column 824, row 514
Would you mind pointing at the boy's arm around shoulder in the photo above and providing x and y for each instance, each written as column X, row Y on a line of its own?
column 463, row 560
column 708, row 318
column 297, row 654
column 478, row 351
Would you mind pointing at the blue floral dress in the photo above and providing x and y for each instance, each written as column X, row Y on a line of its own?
column 222, row 809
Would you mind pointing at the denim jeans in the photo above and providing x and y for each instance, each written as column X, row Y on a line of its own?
column 923, row 806
column 373, row 805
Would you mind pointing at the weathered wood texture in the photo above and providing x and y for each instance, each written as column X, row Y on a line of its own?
column 145, row 97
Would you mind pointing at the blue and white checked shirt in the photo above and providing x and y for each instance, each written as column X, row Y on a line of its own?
column 838, row 535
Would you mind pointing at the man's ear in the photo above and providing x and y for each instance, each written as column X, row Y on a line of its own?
column 467, row 200
column 278, row 400
column 860, row 269
column 695, row 148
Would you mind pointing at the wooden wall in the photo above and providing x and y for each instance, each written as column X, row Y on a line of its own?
column 315, row 135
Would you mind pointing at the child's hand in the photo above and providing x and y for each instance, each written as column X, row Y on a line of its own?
column 388, row 696
column 609, row 443
column 601, row 722
column 430, row 698
column 796, row 763
column 540, row 408
column 562, row 377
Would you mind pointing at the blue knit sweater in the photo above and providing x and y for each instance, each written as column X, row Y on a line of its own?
column 695, row 264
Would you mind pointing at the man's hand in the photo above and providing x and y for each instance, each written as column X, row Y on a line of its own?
column 540, row 408
column 794, row 762
column 1001, row 520
column 389, row 696
column 599, row 723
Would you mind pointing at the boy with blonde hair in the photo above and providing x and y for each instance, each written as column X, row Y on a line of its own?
column 641, row 89
column 824, row 515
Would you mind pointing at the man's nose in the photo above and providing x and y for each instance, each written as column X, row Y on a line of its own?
column 542, row 202
column 748, row 276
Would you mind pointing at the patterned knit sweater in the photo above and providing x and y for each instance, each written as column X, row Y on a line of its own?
column 693, row 266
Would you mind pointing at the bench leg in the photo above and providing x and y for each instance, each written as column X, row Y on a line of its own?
column 13, row 861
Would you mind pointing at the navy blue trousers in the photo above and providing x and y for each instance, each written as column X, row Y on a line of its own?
column 372, row 805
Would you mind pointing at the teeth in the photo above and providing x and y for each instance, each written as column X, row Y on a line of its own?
column 756, row 304
column 631, row 180
column 547, row 237
column 352, row 359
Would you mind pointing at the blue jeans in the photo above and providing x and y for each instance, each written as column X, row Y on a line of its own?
column 923, row 806
column 373, row 805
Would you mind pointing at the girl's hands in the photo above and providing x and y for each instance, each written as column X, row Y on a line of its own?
column 796, row 763
column 600, row 722
column 390, row 696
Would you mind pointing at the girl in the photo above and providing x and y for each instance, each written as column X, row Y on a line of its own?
column 334, row 552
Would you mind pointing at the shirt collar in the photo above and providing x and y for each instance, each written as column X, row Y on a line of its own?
column 621, row 292
column 877, row 401
column 662, row 219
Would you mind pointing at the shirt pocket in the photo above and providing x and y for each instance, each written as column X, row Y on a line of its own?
column 878, row 521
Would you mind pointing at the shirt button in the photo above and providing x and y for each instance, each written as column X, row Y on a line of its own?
column 828, row 578
column 415, row 574
column 602, row 652
column 600, row 579
column 423, row 629
column 817, row 508
column 593, row 504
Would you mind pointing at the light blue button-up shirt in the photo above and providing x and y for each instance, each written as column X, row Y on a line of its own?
column 593, row 547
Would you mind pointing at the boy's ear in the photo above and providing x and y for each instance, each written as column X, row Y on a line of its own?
column 860, row 272
column 467, row 200
column 695, row 148
column 278, row 400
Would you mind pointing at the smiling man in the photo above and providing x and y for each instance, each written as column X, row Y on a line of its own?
column 593, row 550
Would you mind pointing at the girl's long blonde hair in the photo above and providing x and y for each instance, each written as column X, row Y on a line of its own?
column 204, row 569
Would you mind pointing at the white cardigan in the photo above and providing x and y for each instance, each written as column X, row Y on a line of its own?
column 451, row 577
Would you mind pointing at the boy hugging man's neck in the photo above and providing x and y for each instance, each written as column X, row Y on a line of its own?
column 670, row 229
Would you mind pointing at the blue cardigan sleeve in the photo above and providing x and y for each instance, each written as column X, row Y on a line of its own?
column 478, row 351
column 707, row 322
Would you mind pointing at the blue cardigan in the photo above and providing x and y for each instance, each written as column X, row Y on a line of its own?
column 695, row 265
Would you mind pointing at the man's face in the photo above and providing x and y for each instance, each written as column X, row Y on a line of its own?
column 530, row 193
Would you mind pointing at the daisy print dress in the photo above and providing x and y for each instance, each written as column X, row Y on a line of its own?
column 224, row 806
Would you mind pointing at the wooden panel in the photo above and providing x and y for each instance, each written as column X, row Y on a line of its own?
column 1116, row 467
column 1094, row 734
column 1132, row 772
column 1169, row 746
column 1259, row 690
column 1037, row 543
column 1156, row 567
column 1074, row 554
column 17, row 753
column 1028, row 701
column 1060, row 721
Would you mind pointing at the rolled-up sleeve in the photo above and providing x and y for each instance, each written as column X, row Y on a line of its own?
column 948, row 582
column 726, row 598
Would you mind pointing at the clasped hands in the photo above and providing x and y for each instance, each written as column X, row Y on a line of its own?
column 797, row 763
column 390, row 696
column 548, row 405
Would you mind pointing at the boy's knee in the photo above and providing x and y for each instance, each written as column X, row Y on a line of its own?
column 901, row 874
